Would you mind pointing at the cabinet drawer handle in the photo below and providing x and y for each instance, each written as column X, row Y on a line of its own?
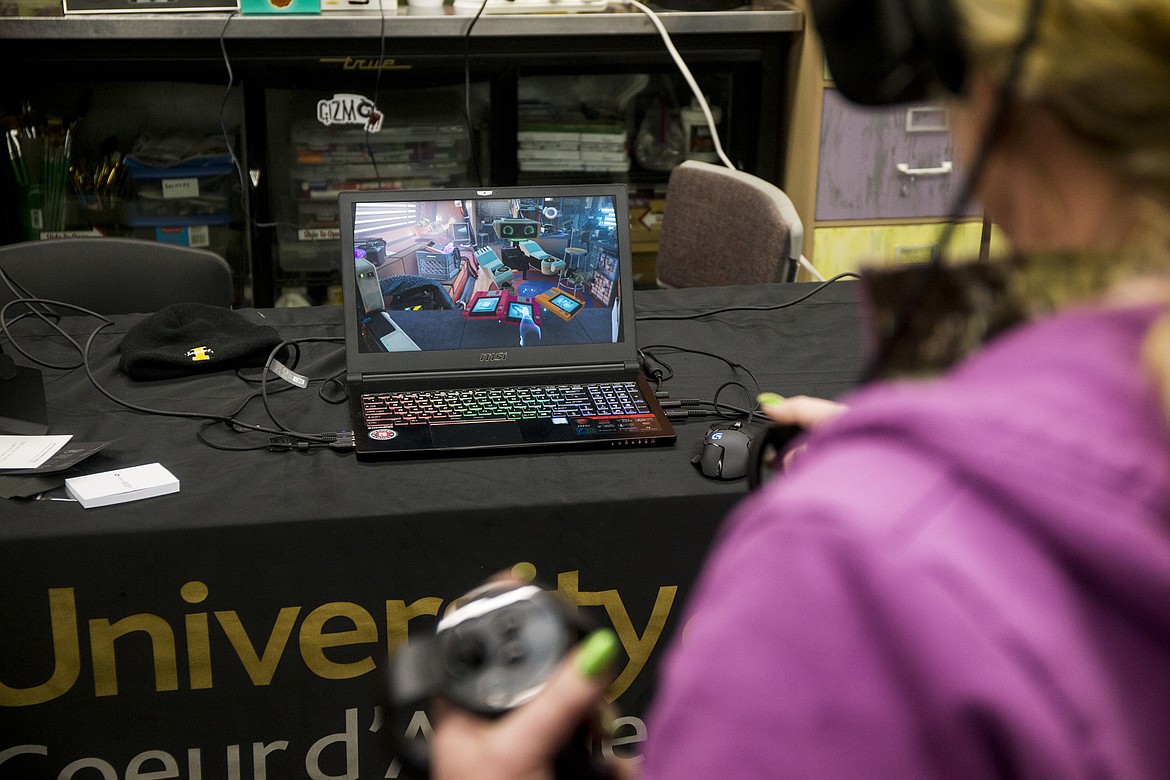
column 927, row 119
column 914, row 253
column 942, row 170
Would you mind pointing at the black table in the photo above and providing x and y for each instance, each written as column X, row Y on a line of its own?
column 244, row 621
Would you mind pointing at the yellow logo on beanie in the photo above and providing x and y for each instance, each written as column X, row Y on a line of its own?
column 200, row 353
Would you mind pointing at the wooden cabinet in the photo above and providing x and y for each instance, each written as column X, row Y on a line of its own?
column 848, row 248
column 875, row 186
column 894, row 162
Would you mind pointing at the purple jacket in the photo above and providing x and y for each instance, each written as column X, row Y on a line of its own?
column 962, row 578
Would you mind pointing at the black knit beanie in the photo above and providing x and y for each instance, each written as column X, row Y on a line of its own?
column 184, row 339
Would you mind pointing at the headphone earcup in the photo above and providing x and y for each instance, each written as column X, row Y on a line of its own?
column 890, row 51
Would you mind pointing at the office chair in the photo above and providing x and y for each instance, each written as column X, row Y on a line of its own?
column 722, row 226
column 116, row 275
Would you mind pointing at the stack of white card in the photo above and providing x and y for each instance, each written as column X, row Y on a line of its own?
column 121, row 485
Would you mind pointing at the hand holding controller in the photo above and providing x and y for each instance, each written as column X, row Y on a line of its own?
column 790, row 417
column 490, row 655
column 767, row 451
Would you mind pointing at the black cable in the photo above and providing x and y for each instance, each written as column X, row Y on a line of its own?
column 21, row 294
column 683, row 414
column 751, row 413
column 377, row 85
column 769, row 307
column 268, row 369
column 12, row 340
column 199, row 433
column 651, row 362
column 227, row 93
column 644, row 352
column 334, row 381
column 655, row 369
column 325, row 439
column 467, row 93
column 162, row 412
column 18, row 290
column 1005, row 100
column 240, row 174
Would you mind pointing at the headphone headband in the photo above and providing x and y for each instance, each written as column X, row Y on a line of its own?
column 890, row 51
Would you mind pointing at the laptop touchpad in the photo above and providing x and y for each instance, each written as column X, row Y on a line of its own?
column 476, row 434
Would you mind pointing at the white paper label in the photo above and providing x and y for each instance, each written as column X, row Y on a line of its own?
column 180, row 188
column 319, row 234
column 199, row 235
column 288, row 375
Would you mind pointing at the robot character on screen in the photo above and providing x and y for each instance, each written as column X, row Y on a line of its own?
column 425, row 285
column 378, row 329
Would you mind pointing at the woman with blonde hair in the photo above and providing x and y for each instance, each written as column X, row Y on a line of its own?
column 966, row 571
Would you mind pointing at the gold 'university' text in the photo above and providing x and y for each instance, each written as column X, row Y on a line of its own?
column 260, row 649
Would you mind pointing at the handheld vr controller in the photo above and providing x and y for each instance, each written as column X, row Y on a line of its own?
column 766, row 449
column 489, row 655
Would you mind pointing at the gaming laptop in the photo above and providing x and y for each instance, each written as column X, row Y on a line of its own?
column 492, row 319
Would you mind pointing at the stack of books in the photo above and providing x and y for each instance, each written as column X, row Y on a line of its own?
column 584, row 145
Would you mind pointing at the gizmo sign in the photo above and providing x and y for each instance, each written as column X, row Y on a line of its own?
column 347, row 109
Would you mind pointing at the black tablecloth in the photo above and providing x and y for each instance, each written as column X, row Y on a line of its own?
column 250, row 613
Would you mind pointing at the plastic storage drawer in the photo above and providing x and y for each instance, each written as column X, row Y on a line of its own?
column 180, row 195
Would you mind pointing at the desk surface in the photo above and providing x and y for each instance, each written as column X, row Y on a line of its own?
column 808, row 348
column 264, row 554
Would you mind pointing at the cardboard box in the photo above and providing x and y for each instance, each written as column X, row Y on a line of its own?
column 645, row 223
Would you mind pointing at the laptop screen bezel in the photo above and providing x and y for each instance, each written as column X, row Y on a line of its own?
column 609, row 353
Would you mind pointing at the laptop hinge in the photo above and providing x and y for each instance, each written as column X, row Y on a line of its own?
column 484, row 376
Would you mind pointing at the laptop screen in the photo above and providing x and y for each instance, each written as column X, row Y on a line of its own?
column 471, row 272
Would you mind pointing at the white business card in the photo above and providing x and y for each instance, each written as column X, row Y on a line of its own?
column 121, row 485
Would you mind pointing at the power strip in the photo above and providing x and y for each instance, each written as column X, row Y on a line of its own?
column 390, row 6
column 469, row 7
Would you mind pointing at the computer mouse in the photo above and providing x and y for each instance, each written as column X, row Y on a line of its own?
column 725, row 453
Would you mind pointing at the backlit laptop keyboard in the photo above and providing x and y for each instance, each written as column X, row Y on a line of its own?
column 503, row 403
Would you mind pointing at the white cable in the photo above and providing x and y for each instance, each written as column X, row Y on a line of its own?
column 686, row 73
column 702, row 101
column 806, row 265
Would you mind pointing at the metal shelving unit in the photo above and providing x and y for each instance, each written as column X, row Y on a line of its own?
column 750, row 50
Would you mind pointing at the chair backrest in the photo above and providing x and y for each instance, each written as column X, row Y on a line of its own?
column 116, row 275
column 722, row 226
